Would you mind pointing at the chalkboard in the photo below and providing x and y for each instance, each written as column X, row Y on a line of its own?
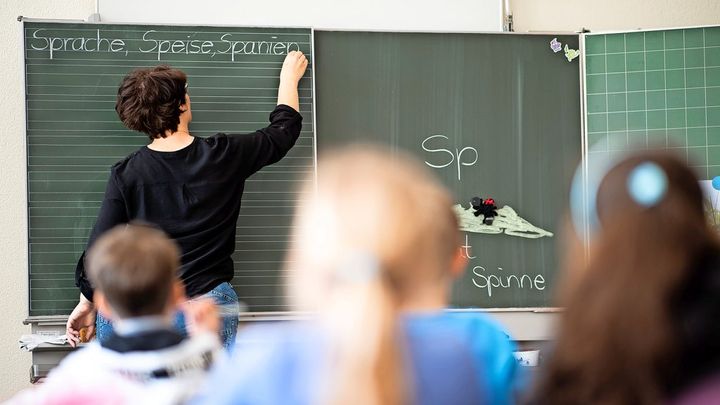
column 72, row 72
column 495, row 115
column 658, row 88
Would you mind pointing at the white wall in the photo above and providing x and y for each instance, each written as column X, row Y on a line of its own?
column 446, row 15
column 529, row 15
column 455, row 15
column 14, row 364
column 605, row 15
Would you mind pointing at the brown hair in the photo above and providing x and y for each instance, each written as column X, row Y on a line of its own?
column 149, row 100
column 134, row 266
column 623, row 337
column 378, row 229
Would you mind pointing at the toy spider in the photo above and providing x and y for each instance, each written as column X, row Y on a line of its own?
column 486, row 208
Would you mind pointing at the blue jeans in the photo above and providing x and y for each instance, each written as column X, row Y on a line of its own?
column 229, row 307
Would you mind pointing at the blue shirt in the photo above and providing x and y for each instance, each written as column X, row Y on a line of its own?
column 454, row 358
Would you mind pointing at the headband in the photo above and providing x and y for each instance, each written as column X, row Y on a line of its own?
column 646, row 184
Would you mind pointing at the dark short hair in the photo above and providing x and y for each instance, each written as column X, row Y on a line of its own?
column 134, row 266
column 149, row 100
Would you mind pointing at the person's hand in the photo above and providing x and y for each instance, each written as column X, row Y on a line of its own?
column 82, row 317
column 293, row 67
column 201, row 316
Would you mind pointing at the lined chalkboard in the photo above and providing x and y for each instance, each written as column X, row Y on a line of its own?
column 655, row 88
column 495, row 115
column 72, row 73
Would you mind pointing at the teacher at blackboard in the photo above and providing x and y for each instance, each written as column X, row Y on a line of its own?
column 190, row 187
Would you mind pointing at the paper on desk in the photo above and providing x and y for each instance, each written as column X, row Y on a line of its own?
column 30, row 342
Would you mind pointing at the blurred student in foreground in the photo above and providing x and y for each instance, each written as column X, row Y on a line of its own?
column 642, row 314
column 134, row 269
column 374, row 253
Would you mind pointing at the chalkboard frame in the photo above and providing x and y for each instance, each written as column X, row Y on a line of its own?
column 546, row 315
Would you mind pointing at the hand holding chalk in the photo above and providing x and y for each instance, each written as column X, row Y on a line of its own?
column 293, row 67
column 81, row 318
column 292, row 70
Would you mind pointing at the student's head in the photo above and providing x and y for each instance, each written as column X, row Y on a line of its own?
column 627, row 303
column 377, row 216
column 375, row 236
column 134, row 271
column 154, row 101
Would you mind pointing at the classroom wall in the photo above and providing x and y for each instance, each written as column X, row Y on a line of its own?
column 14, row 364
column 604, row 15
column 529, row 15
column 456, row 15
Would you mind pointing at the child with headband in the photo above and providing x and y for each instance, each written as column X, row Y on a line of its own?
column 640, row 324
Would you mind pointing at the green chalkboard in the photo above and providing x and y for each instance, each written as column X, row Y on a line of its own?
column 497, row 115
column 72, row 72
column 657, row 88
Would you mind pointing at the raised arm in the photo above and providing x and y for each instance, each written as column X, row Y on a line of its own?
column 292, row 70
column 270, row 144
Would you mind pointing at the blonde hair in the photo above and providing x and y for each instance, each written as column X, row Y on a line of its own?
column 377, row 229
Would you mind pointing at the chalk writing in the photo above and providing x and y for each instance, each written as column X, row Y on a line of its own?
column 187, row 46
column 256, row 47
column 466, row 248
column 157, row 44
column 466, row 156
column 96, row 43
column 488, row 282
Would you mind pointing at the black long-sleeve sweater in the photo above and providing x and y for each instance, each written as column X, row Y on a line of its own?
column 193, row 194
